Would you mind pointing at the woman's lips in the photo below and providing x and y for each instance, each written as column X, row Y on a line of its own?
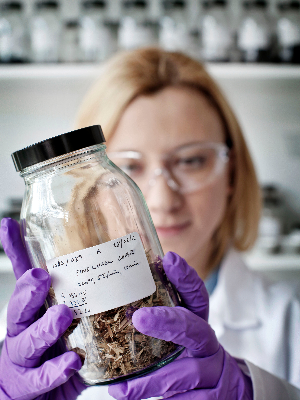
column 173, row 230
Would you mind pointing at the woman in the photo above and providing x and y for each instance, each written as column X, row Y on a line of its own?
column 158, row 110
column 170, row 128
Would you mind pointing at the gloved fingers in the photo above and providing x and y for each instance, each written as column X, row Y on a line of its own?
column 178, row 325
column 186, row 280
column 29, row 295
column 26, row 348
column 70, row 390
column 53, row 373
column 178, row 376
column 197, row 394
column 232, row 384
column 13, row 246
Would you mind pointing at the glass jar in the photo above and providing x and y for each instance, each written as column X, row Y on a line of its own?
column 45, row 32
column 254, row 35
column 13, row 41
column 68, row 49
column 273, row 220
column 86, row 223
column 174, row 30
column 288, row 32
column 136, row 30
column 96, row 39
column 216, row 33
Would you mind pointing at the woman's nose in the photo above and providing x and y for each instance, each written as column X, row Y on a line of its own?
column 162, row 194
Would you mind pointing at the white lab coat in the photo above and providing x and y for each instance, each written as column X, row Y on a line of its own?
column 256, row 319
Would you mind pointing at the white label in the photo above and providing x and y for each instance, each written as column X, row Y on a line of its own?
column 102, row 277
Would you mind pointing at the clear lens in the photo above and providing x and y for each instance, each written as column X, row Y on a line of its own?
column 190, row 168
column 133, row 167
column 197, row 165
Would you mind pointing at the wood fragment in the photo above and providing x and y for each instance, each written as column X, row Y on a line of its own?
column 109, row 331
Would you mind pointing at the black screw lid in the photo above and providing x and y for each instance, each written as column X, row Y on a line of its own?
column 286, row 6
column 11, row 5
column 214, row 3
column 249, row 4
column 58, row 146
column 46, row 4
column 93, row 4
column 169, row 4
column 135, row 4
column 71, row 24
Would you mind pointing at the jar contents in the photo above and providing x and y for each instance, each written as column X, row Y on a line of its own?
column 118, row 348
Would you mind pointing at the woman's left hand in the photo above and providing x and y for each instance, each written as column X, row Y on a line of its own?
column 33, row 365
column 206, row 370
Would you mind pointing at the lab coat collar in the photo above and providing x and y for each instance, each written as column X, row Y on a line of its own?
column 233, row 302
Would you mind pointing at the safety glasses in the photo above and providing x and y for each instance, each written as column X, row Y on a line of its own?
column 187, row 169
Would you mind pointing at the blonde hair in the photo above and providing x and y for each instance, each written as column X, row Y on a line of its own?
column 144, row 71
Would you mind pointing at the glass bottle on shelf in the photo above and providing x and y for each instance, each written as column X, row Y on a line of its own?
column 254, row 35
column 288, row 32
column 45, row 31
column 216, row 31
column 96, row 39
column 68, row 49
column 272, row 222
column 136, row 30
column 174, row 31
column 13, row 39
column 291, row 241
column 87, row 224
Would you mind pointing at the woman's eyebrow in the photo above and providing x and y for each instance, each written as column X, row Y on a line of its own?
column 190, row 144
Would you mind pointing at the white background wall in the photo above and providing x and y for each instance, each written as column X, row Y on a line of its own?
column 269, row 112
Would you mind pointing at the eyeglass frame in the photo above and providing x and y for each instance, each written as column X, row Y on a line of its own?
column 223, row 156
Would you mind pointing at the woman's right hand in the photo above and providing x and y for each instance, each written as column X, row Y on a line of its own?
column 204, row 371
column 32, row 362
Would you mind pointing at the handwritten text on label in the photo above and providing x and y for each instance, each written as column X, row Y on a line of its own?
column 102, row 277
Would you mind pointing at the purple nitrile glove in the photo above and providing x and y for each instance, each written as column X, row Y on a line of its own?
column 206, row 370
column 33, row 363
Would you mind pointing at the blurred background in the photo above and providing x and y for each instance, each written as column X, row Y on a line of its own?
column 51, row 51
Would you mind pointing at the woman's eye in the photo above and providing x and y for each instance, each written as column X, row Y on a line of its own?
column 131, row 169
column 192, row 162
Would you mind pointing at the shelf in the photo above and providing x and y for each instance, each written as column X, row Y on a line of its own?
column 272, row 262
column 90, row 70
column 254, row 71
column 49, row 71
